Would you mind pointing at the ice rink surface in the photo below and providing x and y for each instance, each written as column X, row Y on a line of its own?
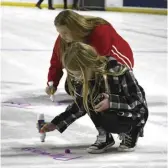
column 27, row 39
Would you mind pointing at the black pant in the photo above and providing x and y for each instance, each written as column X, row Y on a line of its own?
column 49, row 3
column 112, row 123
column 75, row 2
column 74, row 6
column 109, row 120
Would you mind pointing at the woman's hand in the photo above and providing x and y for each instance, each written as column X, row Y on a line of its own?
column 104, row 104
column 48, row 127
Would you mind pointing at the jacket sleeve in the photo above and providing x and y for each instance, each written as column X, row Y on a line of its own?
column 106, row 41
column 55, row 70
column 101, row 40
column 133, row 99
column 72, row 113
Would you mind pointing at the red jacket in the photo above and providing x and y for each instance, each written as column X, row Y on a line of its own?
column 105, row 40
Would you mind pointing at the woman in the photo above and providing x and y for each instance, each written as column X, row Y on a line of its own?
column 94, row 31
column 108, row 92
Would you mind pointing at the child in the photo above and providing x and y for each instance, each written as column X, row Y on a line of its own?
column 94, row 31
column 108, row 92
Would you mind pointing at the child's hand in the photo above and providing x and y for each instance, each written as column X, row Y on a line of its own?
column 104, row 104
column 48, row 127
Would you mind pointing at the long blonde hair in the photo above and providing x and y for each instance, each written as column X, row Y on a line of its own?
column 80, row 57
column 79, row 25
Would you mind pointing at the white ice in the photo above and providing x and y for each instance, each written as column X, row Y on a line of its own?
column 27, row 39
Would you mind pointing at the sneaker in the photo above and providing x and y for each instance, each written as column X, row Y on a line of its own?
column 51, row 8
column 128, row 143
column 102, row 144
column 38, row 6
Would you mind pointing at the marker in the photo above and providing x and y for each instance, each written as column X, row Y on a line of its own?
column 41, row 122
column 52, row 94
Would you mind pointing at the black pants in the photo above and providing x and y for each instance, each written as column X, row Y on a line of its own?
column 49, row 3
column 74, row 6
column 110, row 121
